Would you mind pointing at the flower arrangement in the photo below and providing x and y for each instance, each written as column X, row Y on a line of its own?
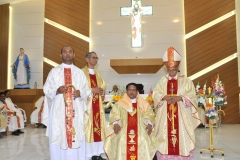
column 149, row 99
column 117, row 98
column 200, row 92
column 219, row 93
column 120, row 93
column 210, row 113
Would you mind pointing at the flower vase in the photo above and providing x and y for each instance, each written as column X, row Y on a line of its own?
column 219, row 103
column 212, row 117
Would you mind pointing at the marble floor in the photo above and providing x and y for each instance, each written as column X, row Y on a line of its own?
column 33, row 144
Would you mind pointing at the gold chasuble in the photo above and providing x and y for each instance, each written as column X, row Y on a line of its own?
column 132, row 142
column 95, row 125
column 69, row 110
column 175, row 123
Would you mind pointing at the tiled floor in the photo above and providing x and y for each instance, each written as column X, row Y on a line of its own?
column 33, row 144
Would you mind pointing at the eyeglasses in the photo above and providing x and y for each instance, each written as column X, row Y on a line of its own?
column 96, row 58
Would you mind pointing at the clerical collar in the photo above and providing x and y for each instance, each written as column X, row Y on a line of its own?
column 170, row 78
column 67, row 65
column 134, row 100
column 91, row 71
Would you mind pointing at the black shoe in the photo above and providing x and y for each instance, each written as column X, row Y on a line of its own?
column 97, row 158
column 201, row 126
column 15, row 133
column 19, row 131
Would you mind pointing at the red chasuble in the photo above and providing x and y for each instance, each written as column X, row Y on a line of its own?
column 69, row 110
column 95, row 111
column 40, row 113
column 172, row 114
column 132, row 134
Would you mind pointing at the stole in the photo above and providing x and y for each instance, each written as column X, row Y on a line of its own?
column 132, row 134
column 172, row 122
column 95, row 111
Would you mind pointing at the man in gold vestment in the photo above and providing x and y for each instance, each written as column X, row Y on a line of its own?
column 95, row 126
column 129, row 135
column 176, row 111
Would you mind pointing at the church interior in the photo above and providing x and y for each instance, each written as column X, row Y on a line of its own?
column 205, row 33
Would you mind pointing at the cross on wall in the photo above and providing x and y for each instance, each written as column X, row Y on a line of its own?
column 136, row 11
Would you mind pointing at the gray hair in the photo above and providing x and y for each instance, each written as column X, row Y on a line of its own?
column 88, row 55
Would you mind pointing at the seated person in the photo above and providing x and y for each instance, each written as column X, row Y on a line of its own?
column 115, row 90
column 3, row 120
column 23, row 113
column 140, row 88
column 129, row 134
column 13, row 121
column 8, row 94
column 36, row 116
column 12, row 107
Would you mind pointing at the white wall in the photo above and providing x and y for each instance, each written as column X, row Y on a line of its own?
column 27, row 31
column 112, row 38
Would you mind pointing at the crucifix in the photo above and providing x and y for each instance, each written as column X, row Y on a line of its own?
column 136, row 11
column 172, row 89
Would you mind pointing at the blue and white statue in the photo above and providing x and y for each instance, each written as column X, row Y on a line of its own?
column 21, row 69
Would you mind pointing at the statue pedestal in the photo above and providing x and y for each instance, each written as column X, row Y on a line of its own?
column 26, row 86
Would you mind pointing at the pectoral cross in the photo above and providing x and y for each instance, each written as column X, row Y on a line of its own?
column 172, row 90
column 136, row 11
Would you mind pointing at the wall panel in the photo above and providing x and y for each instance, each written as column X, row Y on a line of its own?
column 4, row 30
column 47, row 69
column 231, row 85
column 198, row 13
column 55, row 39
column 211, row 46
column 74, row 15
